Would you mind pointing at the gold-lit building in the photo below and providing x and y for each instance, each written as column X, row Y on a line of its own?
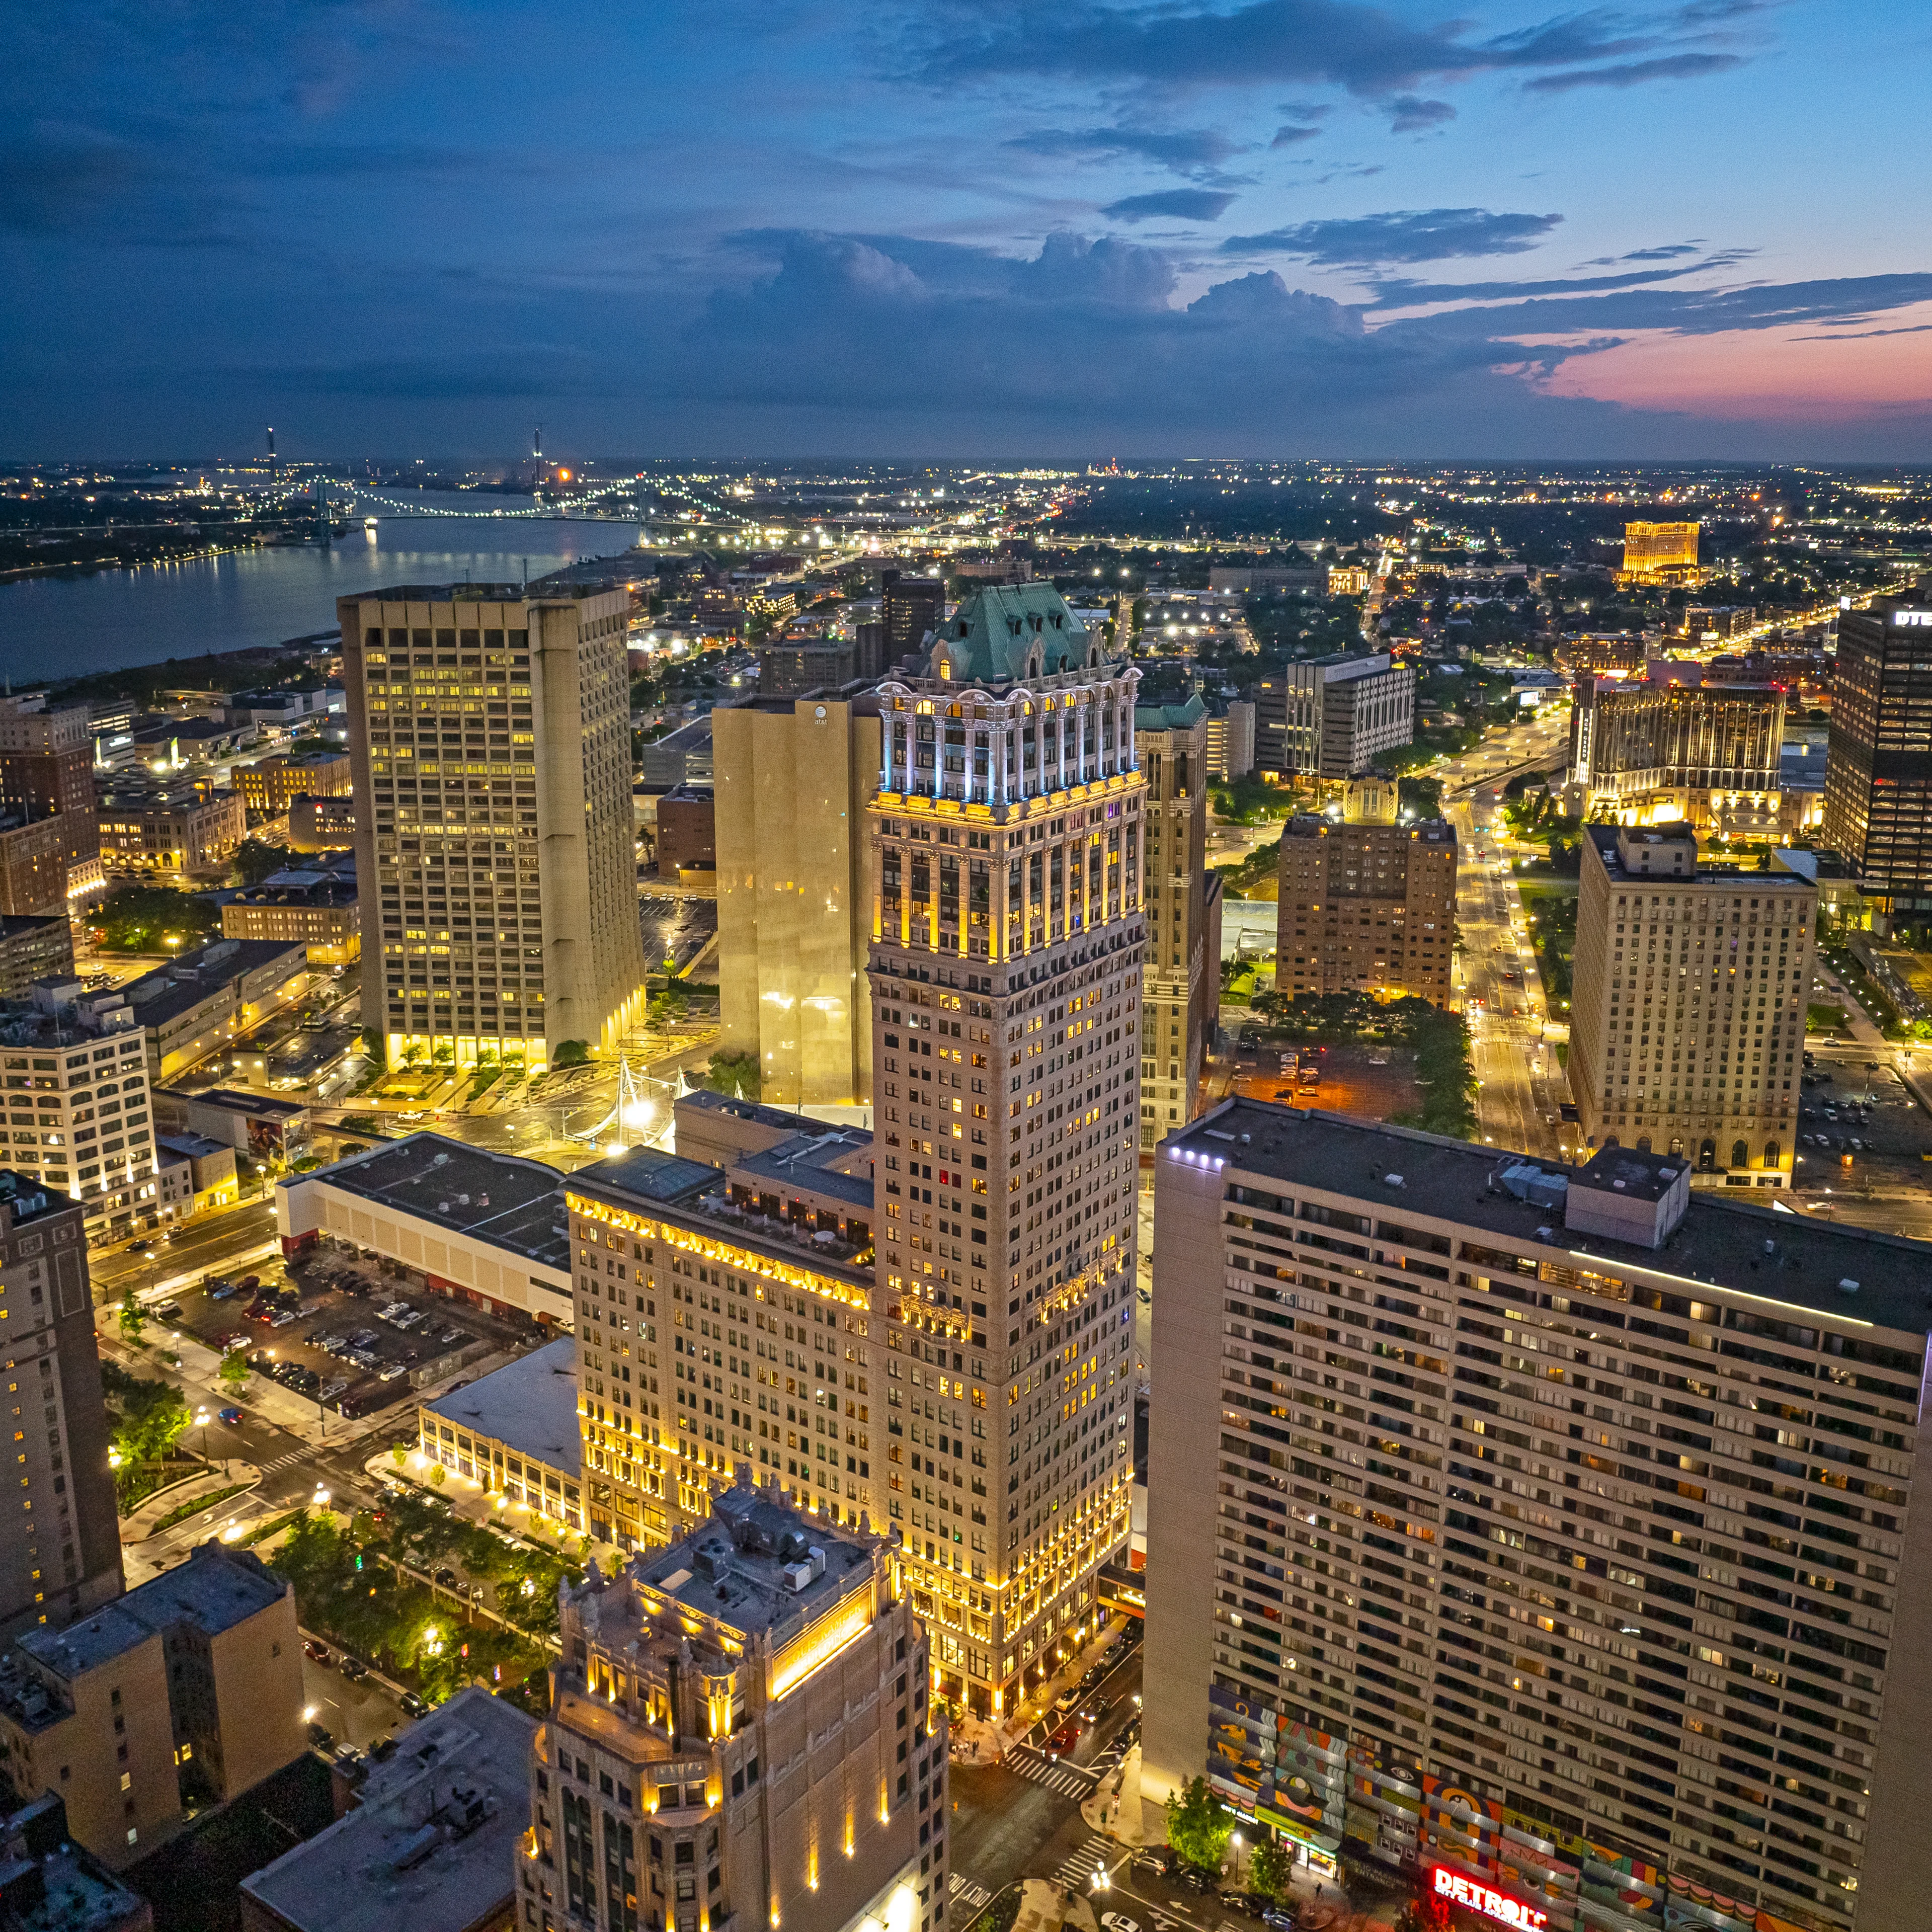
column 740, row 1734
column 791, row 777
column 270, row 785
column 1661, row 553
column 325, row 918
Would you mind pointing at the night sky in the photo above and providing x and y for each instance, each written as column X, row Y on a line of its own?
column 984, row 229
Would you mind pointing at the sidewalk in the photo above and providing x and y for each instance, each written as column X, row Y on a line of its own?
column 995, row 1737
column 139, row 1526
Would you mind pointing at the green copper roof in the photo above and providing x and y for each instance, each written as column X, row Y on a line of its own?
column 1170, row 717
column 1009, row 631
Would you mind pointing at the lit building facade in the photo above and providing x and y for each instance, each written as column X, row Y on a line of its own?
column 1661, row 553
column 1878, row 777
column 489, row 737
column 1558, row 1529
column 1706, row 754
column 740, row 1735
column 1006, row 980
column 1687, row 1019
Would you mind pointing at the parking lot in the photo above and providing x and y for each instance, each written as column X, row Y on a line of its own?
column 341, row 1332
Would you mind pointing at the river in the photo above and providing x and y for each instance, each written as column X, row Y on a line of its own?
column 53, row 627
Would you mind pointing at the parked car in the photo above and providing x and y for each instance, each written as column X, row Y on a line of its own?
column 353, row 1668
column 139, row 1247
column 315, row 1650
column 447, row 1578
column 220, row 1291
column 414, row 1706
column 1066, row 1701
column 282, row 1317
column 331, row 1389
column 1196, row 1879
column 395, row 1369
column 321, row 1738
column 1153, row 1861
column 170, row 1311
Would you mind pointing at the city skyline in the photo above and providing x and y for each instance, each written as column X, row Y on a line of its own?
column 1278, row 228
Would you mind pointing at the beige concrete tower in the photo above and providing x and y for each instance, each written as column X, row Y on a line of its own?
column 489, row 733
column 1181, row 975
column 1687, row 1023
column 794, row 892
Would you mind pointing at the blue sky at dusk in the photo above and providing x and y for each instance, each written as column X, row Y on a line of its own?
column 989, row 228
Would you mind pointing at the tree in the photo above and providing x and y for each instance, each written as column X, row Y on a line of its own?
column 234, row 1369
column 572, row 1053
column 146, row 919
column 1270, row 1868
column 1199, row 1826
column 376, row 1045
column 734, row 1073
column 256, row 860
column 134, row 1317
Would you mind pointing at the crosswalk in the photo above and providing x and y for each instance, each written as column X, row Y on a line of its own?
column 1078, row 1868
column 971, row 1896
column 1068, row 1780
column 286, row 1461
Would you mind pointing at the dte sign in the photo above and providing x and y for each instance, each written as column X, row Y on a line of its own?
column 1480, row 1897
column 1912, row 620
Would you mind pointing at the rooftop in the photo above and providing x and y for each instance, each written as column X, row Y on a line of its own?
column 183, row 984
column 49, row 1884
column 238, row 1100
column 528, row 1405
column 1007, row 632
column 504, row 1199
column 70, row 1652
column 1605, row 839
column 836, row 1161
column 734, row 1567
column 1719, row 1241
column 433, row 1844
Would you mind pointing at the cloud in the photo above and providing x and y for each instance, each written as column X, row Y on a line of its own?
column 1397, row 291
column 1668, row 253
column 1636, row 74
column 1408, row 115
column 1184, row 204
column 1288, row 137
column 1195, row 152
column 1428, row 235
column 1364, row 49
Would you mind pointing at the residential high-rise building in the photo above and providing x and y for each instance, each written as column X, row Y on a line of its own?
column 1661, row 553
column 909, row 608
column 738, row 1734
column 1707, row 754
column 1367, row 905
column 60, row 1557
column 1687, row 1008
column 1180, row 976
column 1878, row 785
column 47, row 764
column 790, row 779
column 1327, row 718
column 1557, row 1531
column 489, row 735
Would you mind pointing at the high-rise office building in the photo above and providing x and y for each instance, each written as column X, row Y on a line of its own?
column 791, row 777
column 1366, row 905
column 60, row 1557
column 1878, row 779
column 47, row 764
column 931, row 1323
column 1706, row 754
column 1005, row 971
column 1556, row 1530
column 909, row 609
column 1181, row 973
column 491, row 736
column 1661, row 553
column 738, row 1734
column 1328, row 718
column 1687, row 1013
